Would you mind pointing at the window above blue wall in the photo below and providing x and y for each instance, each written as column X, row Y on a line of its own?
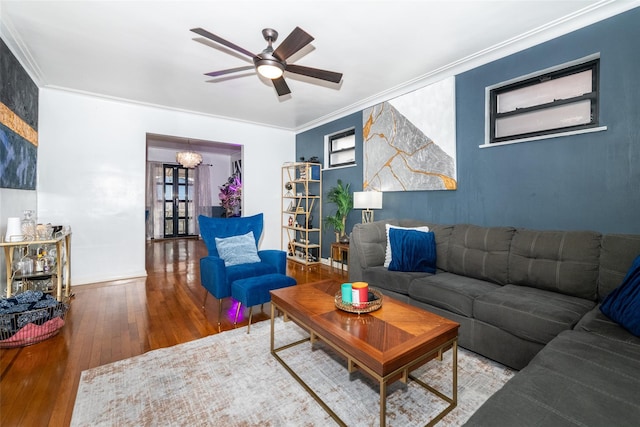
column 557, row 101
column 340, row 149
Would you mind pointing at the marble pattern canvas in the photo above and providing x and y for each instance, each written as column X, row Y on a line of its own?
column 409, row 143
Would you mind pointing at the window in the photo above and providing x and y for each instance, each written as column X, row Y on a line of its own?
column 557, row 101
column 341, row 149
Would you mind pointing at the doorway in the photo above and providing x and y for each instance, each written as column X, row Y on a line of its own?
column 178, row 207
column 176, row 196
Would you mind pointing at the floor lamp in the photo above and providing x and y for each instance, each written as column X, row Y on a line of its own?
column 367, row 200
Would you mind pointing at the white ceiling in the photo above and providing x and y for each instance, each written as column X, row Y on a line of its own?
column 143, row 51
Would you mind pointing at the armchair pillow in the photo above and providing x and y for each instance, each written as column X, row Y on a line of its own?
column 412, row 250
column 622, row 305
column 236, row 250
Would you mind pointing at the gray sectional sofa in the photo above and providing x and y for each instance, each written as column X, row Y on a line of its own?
column 528, row 299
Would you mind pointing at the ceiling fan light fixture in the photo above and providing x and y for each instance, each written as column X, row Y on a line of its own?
column 189, row 159
column 269, row 68
column 271, row 64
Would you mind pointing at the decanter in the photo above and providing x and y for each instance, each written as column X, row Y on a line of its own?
column 28, row 225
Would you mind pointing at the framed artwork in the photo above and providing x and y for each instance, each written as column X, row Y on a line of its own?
column 18, row 152
column 409, row 142
column 18, row 124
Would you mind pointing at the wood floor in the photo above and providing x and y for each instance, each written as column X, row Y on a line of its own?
column 115, row 320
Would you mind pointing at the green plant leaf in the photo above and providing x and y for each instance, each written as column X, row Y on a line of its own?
column 343, row 199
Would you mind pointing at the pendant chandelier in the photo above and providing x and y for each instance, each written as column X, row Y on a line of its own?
column 189, row 159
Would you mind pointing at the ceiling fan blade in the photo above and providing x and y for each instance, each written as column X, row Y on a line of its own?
column 293, row 43
column 211, row 36
column 229, row 71
column 314, row 72
column 281, row 86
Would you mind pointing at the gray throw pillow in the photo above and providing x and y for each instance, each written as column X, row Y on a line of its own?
column 237, row 249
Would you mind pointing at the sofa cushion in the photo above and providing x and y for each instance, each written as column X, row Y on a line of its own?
column 530, row 313
column 369, row 242
column 450, row 291
column 480, row 252
column 443, row 235
column 413, row 250
column 558, row 261
column 597, row 323
column 622, row 305
column 578, row 379
column 616, row 255
column 396, row 281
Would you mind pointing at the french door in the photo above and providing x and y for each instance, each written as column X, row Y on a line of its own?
column 178, row 201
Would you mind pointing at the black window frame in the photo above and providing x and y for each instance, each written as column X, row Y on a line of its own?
column 593, row 96
column 330, row 150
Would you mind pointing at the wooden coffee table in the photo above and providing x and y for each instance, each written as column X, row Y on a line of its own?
column 395, row 339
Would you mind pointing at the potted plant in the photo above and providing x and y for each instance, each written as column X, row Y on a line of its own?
column 343, row 199
column 231, row 196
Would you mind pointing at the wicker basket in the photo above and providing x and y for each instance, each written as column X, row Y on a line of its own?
column 33, row 326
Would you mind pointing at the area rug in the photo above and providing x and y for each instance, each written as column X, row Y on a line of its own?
column 232, row 379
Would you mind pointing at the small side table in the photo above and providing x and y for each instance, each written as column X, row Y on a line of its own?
column 339, row 253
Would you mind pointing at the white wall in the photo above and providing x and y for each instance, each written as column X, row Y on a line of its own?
column 91, row 175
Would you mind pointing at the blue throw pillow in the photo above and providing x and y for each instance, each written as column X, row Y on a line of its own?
column 412, row 250
column 622, row 305
column 237, row 249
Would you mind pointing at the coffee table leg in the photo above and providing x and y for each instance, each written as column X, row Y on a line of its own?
column 273, row 318
column 383, row 403
column 454, row 354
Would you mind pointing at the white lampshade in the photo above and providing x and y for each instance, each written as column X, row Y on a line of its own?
column 367, row 200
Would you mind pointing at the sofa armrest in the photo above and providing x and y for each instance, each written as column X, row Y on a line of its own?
column 276, row 258
column 213, row 276
column 366, row 247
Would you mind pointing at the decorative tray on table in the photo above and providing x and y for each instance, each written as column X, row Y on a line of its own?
column 364, row 307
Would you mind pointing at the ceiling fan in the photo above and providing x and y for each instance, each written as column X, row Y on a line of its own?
column 273, row 63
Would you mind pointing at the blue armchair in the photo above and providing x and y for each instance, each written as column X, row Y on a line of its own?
column 214, row 276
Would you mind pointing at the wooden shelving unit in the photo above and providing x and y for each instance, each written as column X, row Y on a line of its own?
column 301, row 235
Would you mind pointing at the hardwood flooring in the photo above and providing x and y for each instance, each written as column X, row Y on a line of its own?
column 116, row 320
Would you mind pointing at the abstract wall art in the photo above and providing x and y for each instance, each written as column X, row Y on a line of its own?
column 18, row 124
column 409, row 142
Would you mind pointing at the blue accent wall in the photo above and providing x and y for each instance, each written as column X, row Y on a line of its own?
column 311, row 143
column 589, row 181
column 581, row 182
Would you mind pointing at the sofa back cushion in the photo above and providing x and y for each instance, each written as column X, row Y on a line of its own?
column 370, row 241
column 616, row 255
column 442, row 234
column 480, row 252
column 559, row 261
